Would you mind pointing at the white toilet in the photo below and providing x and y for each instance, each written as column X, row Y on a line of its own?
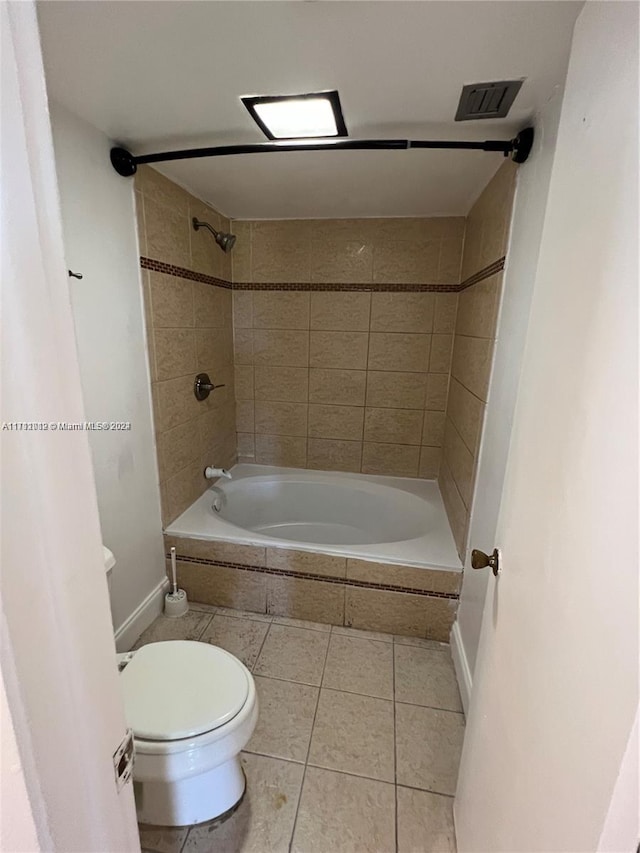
column 192, row 708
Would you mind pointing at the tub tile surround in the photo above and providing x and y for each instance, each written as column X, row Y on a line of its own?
column 343, row 756
column 317, row 587
column 474, row 341
column 188, row 308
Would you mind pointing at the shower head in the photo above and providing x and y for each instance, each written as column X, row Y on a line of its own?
column 225, row 241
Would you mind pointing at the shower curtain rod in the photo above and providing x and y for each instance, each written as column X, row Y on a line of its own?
column 518, row 148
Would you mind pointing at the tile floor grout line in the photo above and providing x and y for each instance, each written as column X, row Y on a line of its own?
column 431, row 708
column 201, row 634
column 264, row 640
column 306, row 761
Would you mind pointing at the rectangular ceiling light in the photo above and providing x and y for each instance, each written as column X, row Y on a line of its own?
column 312, row 116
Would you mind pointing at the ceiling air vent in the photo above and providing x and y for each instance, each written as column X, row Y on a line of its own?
column 487, row 100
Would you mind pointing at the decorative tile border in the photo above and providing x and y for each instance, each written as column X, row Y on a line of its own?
column 182, row 272
column 333, row 287
column 314, row 577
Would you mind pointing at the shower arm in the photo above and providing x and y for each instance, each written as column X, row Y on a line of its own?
column 518, row 148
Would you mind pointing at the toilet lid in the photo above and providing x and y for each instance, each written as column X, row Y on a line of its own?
column 180, row 689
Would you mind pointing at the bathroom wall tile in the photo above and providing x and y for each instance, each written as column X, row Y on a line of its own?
column 288, row 451
column 207, row 549
column 341, row 254
column 245, row 415
column 478, row 308
column 471, row 364
column 339, row 350
column 278, row 418
column 359, row 665
column 280, row 251
column 217, row 428
column 287, row 559
column 284, row 384
column 140, row 225
column 167, row 232
column 243, row 309
column 354, row 734
column 214, row 349
column 441, row 349
column 241, row 255
column 429, row 465
column 293, row 654
column 454, row 505
column 433, row 429
column 177, row 447
column 402, row 312
column 264, row 820
column 176, row 402
column 466, row 412
column 398, row 460
column 445, row 313
column 175, row 353
column 437, row 389
column 406, row 261
column 246, row 445
column 344, row 422
column 399, row 352
column 338, row 387
column 341, row 812
column 287, row 711
column 347, row 311
column 425, row 677
column 244, row 378
column 243, row 346
column 155, row 186
column 182, row 489
column 461, row 463
column 305, row 599
column 212, row 306
column 327, row 454
column 243, row 638
column 450, row 260
column 396, row 390
column 425, row 822
column 281, row 348
column 224, row 586
column 171, row 301
column 429, row 580
column 382, row 610
column 428, row 747
column 280, row 309
column 396, row 426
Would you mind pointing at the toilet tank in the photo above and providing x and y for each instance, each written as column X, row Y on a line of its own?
column 109, row 563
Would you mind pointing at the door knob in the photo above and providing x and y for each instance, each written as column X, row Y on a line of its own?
column 480, row 560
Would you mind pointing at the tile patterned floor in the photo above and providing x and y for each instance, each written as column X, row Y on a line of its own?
column 357, row 746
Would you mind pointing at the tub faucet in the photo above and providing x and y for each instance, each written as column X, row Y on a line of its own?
column 212, row 473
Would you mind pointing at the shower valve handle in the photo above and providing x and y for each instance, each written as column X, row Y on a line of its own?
column 203, row 386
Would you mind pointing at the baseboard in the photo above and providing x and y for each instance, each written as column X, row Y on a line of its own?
column 461, row 664
column 141, row 618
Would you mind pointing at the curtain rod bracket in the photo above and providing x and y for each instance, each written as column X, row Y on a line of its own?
column 519, row 148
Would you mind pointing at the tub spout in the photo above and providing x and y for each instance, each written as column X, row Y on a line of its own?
column 213, row 473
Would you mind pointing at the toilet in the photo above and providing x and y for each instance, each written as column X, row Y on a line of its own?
column 192, row 707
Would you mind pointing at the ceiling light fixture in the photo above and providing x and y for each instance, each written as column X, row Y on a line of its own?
column 316, row 115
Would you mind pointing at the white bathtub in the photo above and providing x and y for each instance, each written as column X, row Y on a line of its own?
column 390, row 519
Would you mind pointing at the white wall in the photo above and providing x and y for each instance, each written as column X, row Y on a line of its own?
column 556, row 694
column 522, row 258
column 101, row 242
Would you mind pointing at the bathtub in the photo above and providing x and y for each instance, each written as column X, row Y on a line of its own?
column 385, row 519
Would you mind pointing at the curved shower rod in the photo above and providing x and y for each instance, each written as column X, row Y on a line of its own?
column 518, row 148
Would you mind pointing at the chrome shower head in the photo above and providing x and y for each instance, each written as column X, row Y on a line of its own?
column 225, row 241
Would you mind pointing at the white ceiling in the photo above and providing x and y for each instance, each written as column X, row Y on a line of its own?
column 161, row 75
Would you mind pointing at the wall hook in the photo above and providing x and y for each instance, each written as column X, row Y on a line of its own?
column 73, row 274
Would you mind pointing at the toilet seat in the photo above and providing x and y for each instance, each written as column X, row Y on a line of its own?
column 180, row 689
